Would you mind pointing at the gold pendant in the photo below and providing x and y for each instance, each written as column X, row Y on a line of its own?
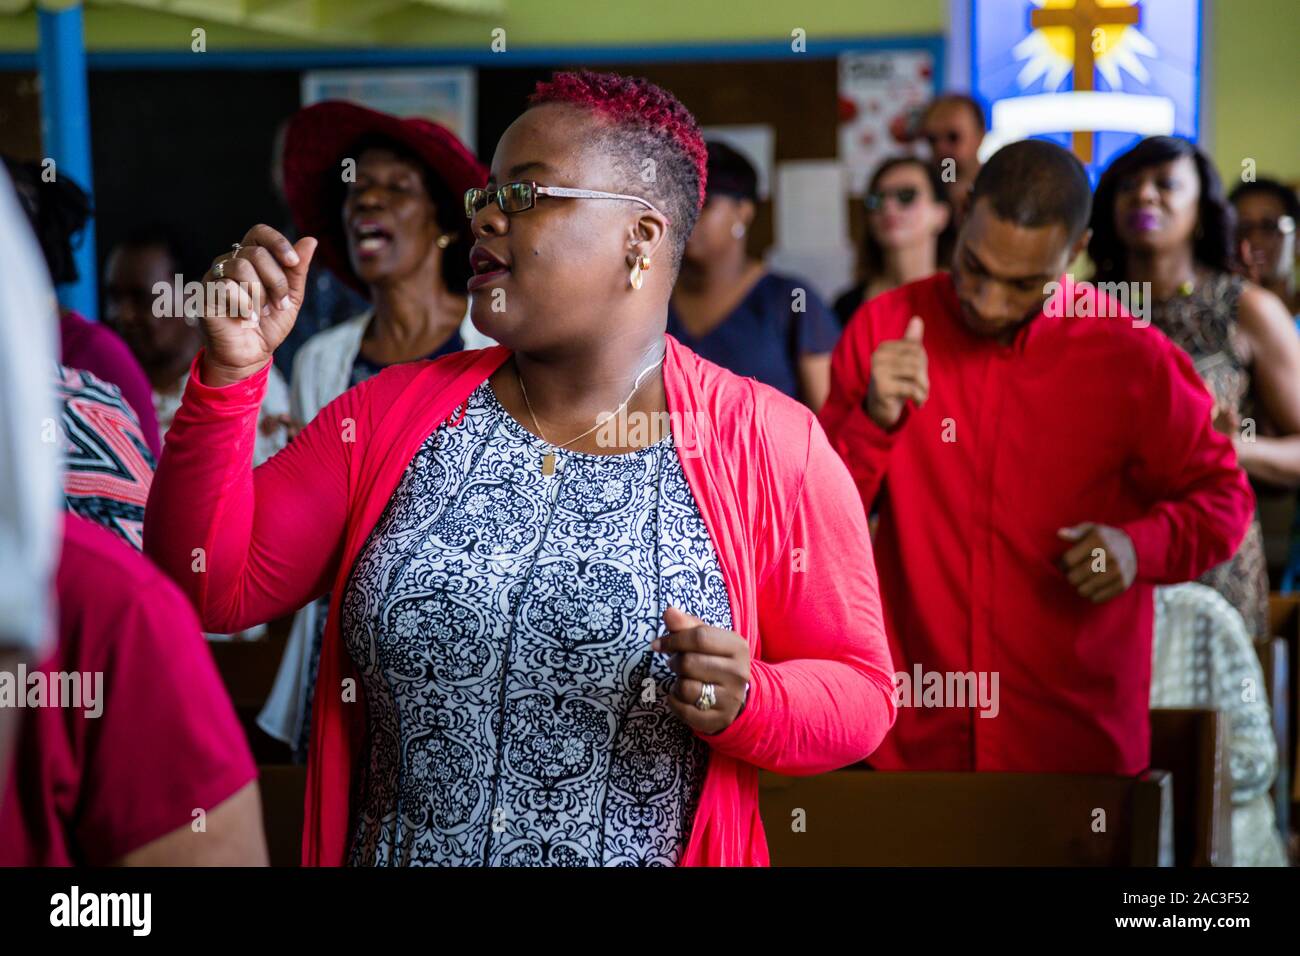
column 548, row 463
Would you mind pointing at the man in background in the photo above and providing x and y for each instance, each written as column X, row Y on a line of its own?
column 1037, row 472
column 953, row 125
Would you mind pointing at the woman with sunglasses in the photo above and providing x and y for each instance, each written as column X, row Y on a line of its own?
column 730, row 309
column 1161, row 223
column 584, row 583
column 909, row 231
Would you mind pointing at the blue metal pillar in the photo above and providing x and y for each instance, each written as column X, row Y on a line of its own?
column 65, row 126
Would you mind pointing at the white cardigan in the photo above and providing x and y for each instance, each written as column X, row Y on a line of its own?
column 322, row 369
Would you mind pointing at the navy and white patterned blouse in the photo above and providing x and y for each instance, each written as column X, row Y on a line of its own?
column 501, row 621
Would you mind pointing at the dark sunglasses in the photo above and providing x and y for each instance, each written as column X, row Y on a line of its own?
column 520, row 196
column 904, row 197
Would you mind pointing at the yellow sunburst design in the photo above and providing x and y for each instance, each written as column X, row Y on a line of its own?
column 1049, row 51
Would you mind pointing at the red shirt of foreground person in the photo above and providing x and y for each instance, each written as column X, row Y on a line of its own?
column 1038, row 473
column 118, row 774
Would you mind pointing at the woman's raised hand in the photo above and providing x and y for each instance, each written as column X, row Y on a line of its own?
column 252, row 295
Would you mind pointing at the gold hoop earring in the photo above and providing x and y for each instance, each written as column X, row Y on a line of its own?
column 443, row 241
column 639, row 265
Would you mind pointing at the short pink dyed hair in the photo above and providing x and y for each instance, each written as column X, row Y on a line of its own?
column 654, row 117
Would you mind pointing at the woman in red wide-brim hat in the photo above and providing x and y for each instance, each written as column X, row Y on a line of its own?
column 383, row 196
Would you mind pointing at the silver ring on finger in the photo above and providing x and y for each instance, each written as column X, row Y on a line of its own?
column 219, row 269
column 234, row 249
column 708, row 698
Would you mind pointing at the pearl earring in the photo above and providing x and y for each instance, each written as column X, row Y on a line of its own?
column 738, row 230
column 443, row 241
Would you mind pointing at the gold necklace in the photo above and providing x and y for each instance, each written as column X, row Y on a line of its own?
column 548, row 458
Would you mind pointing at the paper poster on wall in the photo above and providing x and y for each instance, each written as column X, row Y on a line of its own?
column 756, row 142
column 446, row 96
column 812, row 229
column 880, row 96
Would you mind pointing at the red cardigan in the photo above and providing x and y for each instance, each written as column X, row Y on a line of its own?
column 248, row 545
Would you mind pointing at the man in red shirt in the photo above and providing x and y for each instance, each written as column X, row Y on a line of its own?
column 1037, row 472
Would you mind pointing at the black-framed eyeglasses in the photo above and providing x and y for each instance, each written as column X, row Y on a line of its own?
column 520, row 196
column 904, row 196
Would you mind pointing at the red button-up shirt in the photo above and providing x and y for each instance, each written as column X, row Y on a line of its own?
column 1077, row 420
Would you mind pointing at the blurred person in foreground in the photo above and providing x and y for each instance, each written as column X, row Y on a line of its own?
column 129, row 752
column 30, row 471
column 114, row 728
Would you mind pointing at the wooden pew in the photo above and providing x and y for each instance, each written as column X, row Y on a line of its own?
column 283, row 789
column 859, row 817
column 1192, row 745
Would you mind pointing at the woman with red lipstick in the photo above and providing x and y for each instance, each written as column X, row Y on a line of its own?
column 382, row 196
column 1160, row 220
column 550, row 641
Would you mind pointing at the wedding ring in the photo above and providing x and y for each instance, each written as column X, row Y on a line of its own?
column 708, row 697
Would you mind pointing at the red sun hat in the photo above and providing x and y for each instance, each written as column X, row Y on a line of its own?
column 317, row 141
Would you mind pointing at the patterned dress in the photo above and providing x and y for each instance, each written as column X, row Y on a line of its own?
column 1204, row 325
column 500, row 620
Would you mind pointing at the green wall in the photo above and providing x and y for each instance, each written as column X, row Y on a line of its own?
column 1254, row 86
column 526, row 22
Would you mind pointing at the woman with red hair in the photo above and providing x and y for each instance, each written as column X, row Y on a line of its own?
column 557, row 636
